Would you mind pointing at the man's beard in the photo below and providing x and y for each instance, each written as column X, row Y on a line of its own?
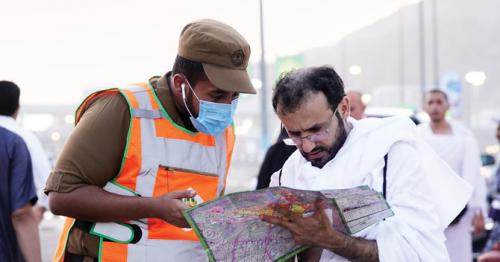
column 340, row 138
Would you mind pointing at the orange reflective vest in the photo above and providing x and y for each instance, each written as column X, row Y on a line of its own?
column 160, row 156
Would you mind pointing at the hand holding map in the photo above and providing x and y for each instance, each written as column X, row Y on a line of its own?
column 230, row 228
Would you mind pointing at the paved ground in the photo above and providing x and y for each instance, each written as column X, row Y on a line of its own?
column 49, row 234
column 51, row 225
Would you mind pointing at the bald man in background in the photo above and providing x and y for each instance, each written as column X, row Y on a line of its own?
column 356, row 104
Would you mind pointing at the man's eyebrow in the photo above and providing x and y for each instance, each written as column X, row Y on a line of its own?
column 218, row 91
column 313, row 128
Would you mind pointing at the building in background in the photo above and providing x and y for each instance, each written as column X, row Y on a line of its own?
column 387, row 60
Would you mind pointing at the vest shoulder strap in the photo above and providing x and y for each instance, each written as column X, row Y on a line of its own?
column 93, row 96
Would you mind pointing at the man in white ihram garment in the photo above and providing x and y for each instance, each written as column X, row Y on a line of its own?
column 336, row 151
column 456, row 145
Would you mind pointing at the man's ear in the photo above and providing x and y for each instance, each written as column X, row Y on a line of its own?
column 348, row 106
column 345, row 109
column 178, row 80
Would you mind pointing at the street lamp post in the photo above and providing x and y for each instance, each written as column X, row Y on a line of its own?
column 263, row 104
column 475, row 79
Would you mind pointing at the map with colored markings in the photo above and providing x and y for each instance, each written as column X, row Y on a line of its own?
column 230, row 229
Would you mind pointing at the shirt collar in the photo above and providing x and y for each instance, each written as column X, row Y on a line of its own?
column 7, row 120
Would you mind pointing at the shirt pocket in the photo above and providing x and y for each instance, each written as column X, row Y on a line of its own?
column 169, row 179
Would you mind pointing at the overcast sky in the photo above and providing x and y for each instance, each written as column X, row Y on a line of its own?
column 57, row 49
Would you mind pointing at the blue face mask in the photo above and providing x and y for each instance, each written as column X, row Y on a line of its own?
column 212, row 118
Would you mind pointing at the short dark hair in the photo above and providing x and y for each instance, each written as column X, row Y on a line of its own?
column 438, row 91
column 9, row 98
column 193, row 71
column 294, row 87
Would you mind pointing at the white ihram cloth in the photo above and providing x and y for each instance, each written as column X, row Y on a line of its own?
column 424, row 193
column 460, row 150
column 39, row 161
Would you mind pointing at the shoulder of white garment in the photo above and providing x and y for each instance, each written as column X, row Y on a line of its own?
column 37, row 153
column 460, row 129
column 423, row 127
column 11, row 124
column 35, row 148
column 289, row 170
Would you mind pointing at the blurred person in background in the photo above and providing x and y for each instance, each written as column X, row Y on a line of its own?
column 494, row 211
column 275, row 157
column 19, row 240
column 456, row 145
column 140, row 153
column 9, row 109
column 491, row 256
column 336, row 151
column 356, row 103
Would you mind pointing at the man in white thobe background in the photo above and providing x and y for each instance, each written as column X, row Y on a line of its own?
column 456, row 145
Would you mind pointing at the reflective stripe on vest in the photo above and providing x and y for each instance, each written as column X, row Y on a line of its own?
column 174, row 154
column 161, row 157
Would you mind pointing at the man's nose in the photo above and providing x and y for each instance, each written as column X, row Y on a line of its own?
column 227, row 100
column 307, row 145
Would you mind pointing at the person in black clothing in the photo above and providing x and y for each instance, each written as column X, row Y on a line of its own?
column 275, row 157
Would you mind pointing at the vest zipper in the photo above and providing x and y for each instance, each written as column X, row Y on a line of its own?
column 187, row 171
